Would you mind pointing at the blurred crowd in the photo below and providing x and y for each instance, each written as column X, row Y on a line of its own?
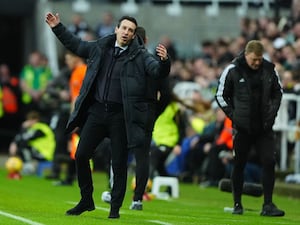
column 192, row 137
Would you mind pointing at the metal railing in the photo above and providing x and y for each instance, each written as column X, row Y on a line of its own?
column 284, row 125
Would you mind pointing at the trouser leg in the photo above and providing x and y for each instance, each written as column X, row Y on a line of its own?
column 142, row 156
column 241, row 149
column 90, row 136
column 119, row 156
column 71, row 171
column 266, row 149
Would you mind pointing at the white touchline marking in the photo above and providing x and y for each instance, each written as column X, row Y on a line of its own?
column 159, row 222
column 102, row 208
column 107, row 209
column 19, row 218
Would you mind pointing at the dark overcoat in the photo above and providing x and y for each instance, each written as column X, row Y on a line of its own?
column 138, row 74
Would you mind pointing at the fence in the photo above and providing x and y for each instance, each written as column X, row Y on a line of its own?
column 284, row 125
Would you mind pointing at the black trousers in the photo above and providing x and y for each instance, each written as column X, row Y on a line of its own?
column 103, row 121
column 142, row 155
column 158, row 157
column 264, row 145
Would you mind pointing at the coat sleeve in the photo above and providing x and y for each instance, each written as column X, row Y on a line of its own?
column 72, row 42
column 224, row 94
column 156, row 67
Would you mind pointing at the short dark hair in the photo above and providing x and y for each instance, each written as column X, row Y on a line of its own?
column 130, row 18
column 141, row 32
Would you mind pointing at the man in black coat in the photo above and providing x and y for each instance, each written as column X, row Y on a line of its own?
column 114, row 102
column 249, row 93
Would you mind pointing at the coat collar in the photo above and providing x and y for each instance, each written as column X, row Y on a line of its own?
column 111, row 39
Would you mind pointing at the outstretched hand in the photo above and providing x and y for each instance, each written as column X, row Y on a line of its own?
column 162, row 52
column 52, row 19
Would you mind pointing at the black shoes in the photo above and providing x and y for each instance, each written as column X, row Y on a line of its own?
column 85, row 205
column 114, row 214
column 270, row 209
column 238, row 209
column 81, row 207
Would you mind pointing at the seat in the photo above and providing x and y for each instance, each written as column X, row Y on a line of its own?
column 171, row 182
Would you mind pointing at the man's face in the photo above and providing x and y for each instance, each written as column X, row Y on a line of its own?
column 254, row 61
column 125, row 33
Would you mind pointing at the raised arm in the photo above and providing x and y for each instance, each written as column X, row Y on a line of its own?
column 67, row 38
column 52, row 20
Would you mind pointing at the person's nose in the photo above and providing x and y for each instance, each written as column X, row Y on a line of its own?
column 126, row 31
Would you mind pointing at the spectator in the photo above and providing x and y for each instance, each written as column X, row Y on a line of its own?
column 79, row 26
column 224, row 56
column 202, row 159
column 169, row 130
column 289, row 57
column 208, row 51
column 34, row 79
column 252, row 171
column 35, row 141
column 58, row 95
column 78, row 68
column 215, row 170
column 106, row 26
column 248, row 28
column 141, row 154
column 10, row 105
column 295, row 11
column 172, row 51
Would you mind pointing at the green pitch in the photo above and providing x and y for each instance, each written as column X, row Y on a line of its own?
column 35, row 201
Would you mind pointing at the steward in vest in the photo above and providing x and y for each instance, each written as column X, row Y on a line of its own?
column 167, row 135
column 35, row 141
column 34, row 79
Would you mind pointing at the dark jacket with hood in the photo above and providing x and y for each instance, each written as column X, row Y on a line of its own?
column 235, row 95
column 139, row 70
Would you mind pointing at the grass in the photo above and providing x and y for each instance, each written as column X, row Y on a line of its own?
column 37, row 202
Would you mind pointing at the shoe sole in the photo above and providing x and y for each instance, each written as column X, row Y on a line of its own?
column 77, row 214
column 238, row 213
column 137, row 209
column 114, row 217
column 271, row 215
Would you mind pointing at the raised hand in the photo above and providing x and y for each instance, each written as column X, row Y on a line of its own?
column 161, row 51
column 52, row 19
